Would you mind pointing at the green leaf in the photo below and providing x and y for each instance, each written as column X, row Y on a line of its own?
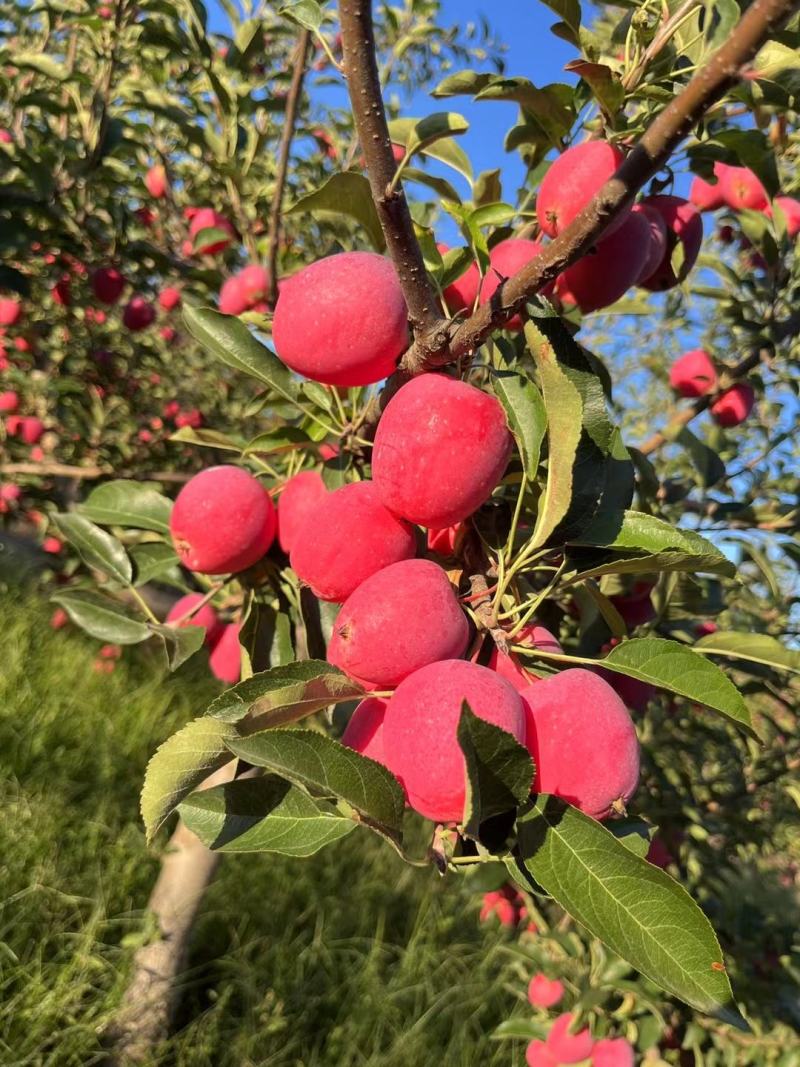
column 101, row 617
column 263, row 815
column 605, row 84
column 206, row 439
column 122, row 503
column 633, row 907
column 525, row 411
column 751, row 648
column 225, row 337
column 425, row 132
column 462, row 83
column 499, row 770
column 585, row 454
column 570, row 27
column 705, row 460
column 212, row 235
column 286, row 693
column 445, row 150
column 345, row 194
column 306, row 13
column 41, row 64
column 96, row 547
column 154, row 559
column 666, row 546
column 324, row 766
column 551, row 107
column 180, row 642
column 284, row 439
column 179, row 765
column 672, row 666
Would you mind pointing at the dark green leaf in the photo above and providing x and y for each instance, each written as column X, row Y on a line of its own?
column 306, row 13
column 187, row 435
column 636, row 909
column 499, row 770
column 263, row 815
column 322, row 765
column 154, row 559
column 180, row 642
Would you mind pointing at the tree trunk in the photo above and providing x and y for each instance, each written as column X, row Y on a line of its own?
column 148, row 1006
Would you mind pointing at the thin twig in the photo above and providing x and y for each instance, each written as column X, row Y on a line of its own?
column 289, row 120
column 364, row 87
column 646, row 159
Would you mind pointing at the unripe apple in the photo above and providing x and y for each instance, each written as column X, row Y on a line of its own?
column 505, row 259
column 440, row 449
column 30, row 429
column 461, row 294
column 168, row 334
column 345, row 538
column 694, row 374
column 397, row 621
column 569, row 1047
column 364, row 731
column 342, row 320
column 169, row 298
column 791, row 211
column 443, row 542
column 208, row 219
column 635, row 607
column 107, row 284
column 223, row 521
column 684, row 224
column 9, row 402
column 706, row 627
column 544, row 992
column 706, row 196
column 420, row 731
column 607, row 271
column 733, row 405
column 156, row 181
column 658, row 854
column 10, row 311
column 299, row 496
column 613, row 1052
column 225, row 659
column 740, row 188
column 138, row 314
column 58, row 619
column 657, row 244
column 537, row 1054
column 205, row 616
column 582, row 741
column 572, row 181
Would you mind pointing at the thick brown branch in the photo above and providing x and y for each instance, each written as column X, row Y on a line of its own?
column 363, row 83
column 646, row 159
column 282, row 167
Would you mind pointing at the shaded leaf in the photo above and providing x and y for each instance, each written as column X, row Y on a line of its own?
column 96, row 547
column 326, row 767
column 101, row 617
column 345, row 194
column 262, row 815
column 751, row 648
column 179, row 765
column 154, row 559
column 180, row 642
column 525, row 411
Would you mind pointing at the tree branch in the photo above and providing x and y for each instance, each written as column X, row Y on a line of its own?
column 289, row 120
column 364, row 87
column 646, row 159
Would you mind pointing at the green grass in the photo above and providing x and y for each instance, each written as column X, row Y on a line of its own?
column 351, row 959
